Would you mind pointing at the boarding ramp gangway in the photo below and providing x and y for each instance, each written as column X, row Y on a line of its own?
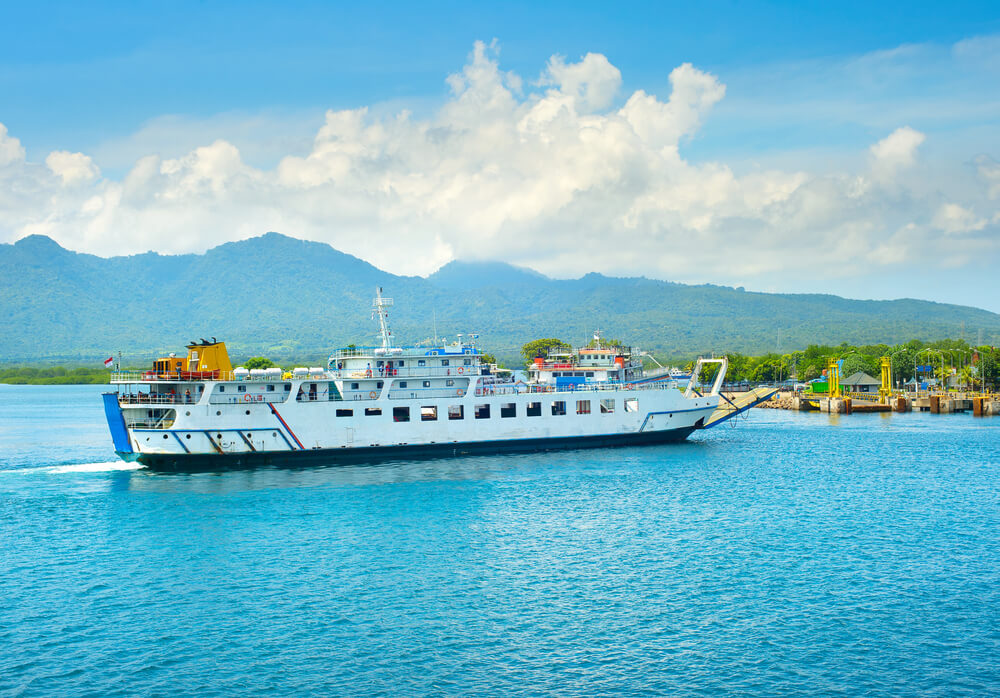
column 731, row 407
column 694, row 384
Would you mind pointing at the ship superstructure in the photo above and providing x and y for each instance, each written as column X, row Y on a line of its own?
column 391, row 401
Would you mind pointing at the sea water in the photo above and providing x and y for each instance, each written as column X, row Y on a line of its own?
column 796, row 553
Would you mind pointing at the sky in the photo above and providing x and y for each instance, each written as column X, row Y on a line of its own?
column 847, row 148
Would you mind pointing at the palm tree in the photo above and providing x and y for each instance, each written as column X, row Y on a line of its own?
column 942, row 373
column 965, row 375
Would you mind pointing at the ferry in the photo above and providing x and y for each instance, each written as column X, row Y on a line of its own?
column 196, row 411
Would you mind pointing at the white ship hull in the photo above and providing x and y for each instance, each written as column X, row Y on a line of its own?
column 251, row 432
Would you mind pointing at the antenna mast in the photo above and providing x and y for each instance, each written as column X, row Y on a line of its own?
column 378, row 308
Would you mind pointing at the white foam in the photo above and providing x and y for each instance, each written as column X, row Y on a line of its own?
column 107, row 467
column 95, row 467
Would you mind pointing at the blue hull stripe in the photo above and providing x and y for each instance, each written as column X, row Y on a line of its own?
column 116, row 423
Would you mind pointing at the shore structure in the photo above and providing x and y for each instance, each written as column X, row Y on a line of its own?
column 197, row 412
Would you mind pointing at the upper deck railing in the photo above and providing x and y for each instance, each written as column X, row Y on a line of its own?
column 392, row 354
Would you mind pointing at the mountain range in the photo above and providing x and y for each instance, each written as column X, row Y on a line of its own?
column 282, row 297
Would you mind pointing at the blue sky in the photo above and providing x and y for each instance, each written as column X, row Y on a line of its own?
column 787, row 105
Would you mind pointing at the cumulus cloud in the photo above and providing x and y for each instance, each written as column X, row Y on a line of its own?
column 896, row 151
column 72, row 167
column 564, row 175
column 10, row 148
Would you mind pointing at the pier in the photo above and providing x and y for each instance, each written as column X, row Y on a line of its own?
column 980, row 405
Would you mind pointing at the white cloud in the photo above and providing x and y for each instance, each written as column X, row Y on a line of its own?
column 72, row 167
column 952, row 219
column 11, row 150
column 896, row 151
column 565, row 176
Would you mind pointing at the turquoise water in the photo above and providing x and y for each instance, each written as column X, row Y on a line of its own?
column 797, row 553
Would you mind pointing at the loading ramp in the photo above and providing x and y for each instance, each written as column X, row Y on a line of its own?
column 730, row 407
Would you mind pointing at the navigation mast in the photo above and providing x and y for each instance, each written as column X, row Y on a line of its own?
column 378, row 308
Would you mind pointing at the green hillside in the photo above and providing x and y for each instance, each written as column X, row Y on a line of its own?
column 284, row 297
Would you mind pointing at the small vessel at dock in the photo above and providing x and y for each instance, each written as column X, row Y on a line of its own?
column 198, row 412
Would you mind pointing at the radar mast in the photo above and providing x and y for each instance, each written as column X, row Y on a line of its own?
column 378, row 309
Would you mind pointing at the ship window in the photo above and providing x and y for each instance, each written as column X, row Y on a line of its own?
column 241, row 388
column 354, row 386
column 468, row 362
column 557, row 374
column 402, row 384
column 583, row 406
column 632, row 405
column 445, row 362
column 534, row 409
column 379, row 385
column 400, row 414
column 401, row 363
column 590, row 374
column 373, row 411
column 270, row 388
column 421, row 362
column 449, row 382
column 427, row 384
column 288, row 387
column 607, row 406
column 345, row 413
column 482, row 411
column 222, row 388
column 428, row 413
column 558, row 407
column 508, row 409
column 456, row 412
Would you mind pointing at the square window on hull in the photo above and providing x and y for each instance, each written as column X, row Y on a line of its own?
column 400, row 414
column 482, row 411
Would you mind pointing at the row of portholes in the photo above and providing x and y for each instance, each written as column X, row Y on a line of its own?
column 218, row 413
column 274, row 434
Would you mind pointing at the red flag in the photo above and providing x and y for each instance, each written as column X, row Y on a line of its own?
column 108, row 361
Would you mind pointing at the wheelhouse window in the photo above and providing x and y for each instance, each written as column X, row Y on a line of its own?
column 456, row 412
column 632, row 404
column 373, row 411
column 534, row 409
column 583, row 406
column 345, row 413
column 508, row 409
column 559, row 407
column 400, row 414
column 428, row 413
column 607, row 406
column 482, row 411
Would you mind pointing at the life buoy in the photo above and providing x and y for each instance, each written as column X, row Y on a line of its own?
column 461, row 370
column 368, row 373
column 372, row 395
column 628, row 386
column 247, row 398
column 459, row 392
